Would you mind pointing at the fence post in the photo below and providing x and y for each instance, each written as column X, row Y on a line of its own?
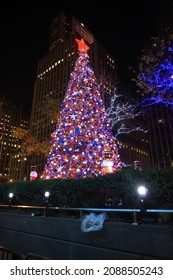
column 135, row 222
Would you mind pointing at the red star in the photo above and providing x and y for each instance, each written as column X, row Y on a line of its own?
column 82, row 47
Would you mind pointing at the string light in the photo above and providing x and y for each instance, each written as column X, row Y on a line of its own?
column 119, row 113
column 158, row 84
column 83, row 131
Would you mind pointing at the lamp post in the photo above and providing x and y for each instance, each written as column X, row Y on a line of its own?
column 10, row 197
column 46, row 196
column 142, row 191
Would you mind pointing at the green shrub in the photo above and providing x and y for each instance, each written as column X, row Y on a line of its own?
column 101, row 191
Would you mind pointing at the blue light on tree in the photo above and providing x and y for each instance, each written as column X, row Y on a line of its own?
column 156, row 76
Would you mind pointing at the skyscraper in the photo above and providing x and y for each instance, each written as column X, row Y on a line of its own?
column 159, row 117
column 11, row 117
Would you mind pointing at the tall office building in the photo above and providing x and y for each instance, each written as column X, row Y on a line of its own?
column 54, row 71
column 11, row 117
column 134, row 148
column 159, row 117
column 164, row 23
column 159, row 120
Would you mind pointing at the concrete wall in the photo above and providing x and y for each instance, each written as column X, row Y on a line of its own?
column 62, row 238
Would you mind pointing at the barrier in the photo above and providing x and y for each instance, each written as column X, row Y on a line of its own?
column 82, row 211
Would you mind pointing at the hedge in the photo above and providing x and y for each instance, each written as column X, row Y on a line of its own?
column 102, row 191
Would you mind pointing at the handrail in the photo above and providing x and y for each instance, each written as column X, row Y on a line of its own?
column 90, row 209
column 159, row 210
column 22, row 206
column 134, row 211
column 97, row 209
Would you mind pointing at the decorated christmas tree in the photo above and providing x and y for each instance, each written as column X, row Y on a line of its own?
column 82, row 144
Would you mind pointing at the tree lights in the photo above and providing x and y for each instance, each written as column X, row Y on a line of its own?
column 155, row 78
column 83, row 133
column 121, row 114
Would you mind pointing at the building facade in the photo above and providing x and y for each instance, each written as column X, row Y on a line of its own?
column 159, row 117
column 11, row 118
column 159, row 120
column 134, row 149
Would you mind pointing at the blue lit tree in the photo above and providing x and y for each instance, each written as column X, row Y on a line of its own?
column 155, row 74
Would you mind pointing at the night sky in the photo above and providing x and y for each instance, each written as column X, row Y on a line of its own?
column 122, row 28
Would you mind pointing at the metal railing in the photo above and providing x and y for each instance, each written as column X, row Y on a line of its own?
column 81, row 211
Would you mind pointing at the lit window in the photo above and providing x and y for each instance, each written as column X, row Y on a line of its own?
column 161, row 120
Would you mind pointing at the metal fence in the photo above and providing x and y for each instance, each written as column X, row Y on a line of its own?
column 133, row 215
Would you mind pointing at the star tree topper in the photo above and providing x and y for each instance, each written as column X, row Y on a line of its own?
column 82, row 47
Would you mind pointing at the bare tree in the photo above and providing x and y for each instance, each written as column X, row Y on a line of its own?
column 122, row 114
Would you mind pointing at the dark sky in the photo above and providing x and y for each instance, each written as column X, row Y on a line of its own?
column 120, row 26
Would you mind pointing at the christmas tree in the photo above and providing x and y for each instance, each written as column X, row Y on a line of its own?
column 82, row 144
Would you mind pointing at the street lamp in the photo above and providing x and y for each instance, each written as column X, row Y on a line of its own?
column 46, row 195
column 142, row 191
column 10, row 197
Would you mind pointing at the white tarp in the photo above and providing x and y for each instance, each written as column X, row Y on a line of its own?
column 92, row 222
